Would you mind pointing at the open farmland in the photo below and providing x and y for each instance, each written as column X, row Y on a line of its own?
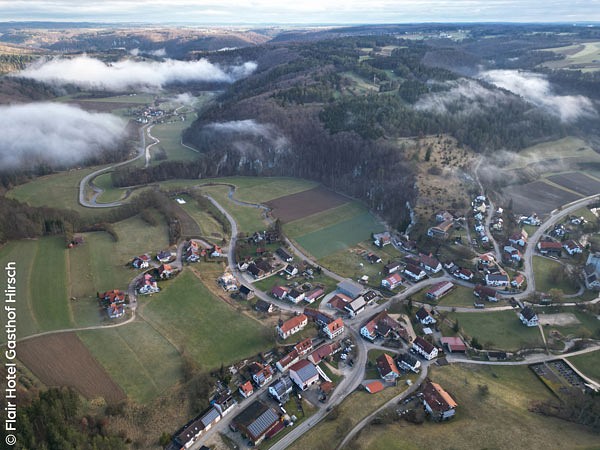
column 584, row 57
column 63, row 360
column 169, row 135
column 500, row 330
column 578, row 182
column 340, row 236
column 500, row 420
column 210, row 330
column 538, row 196
column 323, row 219
column 588, row 364
column 295, row 206
column 139, row 358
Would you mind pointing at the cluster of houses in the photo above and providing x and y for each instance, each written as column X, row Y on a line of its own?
column 480, row 208
column 591, row 271
column 351, row 298
column 445, row 222
column 193, row 251
column 307, row 293
column 113, row 302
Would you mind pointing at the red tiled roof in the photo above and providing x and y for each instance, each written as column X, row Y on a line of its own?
column 454, row 343
column 437, row 398
column 247, row 387
column 374, row 387
column 547, row 245
column 292, row 323
column 339, row 301
column 386, row 365
column 336, row 324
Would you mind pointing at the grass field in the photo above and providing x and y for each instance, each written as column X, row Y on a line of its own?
column 566, row 148
column 589, row 364
column 323, row 219
column 43, row 302
column 169, row 135
column 460, row 296
column 340, row 236
column 268, row 283
column 347, row 263
column 110, row 193
column 584, row 57
column 137, row 357
column 544, row 278
column 211, row 229
column 329, row 433
column 588, row 326
column 498, row 330
column 211, row 331
column 500, row 420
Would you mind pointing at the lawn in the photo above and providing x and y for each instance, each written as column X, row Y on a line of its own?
column 340, row 236
column 212, row 332
column 500, row 420
column 329, row 433
column 137, row 357
column 545, row 279
column 460, row 296
column 588, row 326
column 588, row 363
column 498, row 330
column 323, row 219
column 351, row 264
column 42, row 296
column 110, row 193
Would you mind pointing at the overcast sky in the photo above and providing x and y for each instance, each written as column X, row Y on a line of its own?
column 301, row 11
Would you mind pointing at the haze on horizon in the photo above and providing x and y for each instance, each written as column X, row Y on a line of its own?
column 304, row 12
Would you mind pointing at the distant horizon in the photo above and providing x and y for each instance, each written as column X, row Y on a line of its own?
column 305, row 13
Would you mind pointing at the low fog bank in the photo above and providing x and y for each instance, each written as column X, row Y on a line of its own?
column 55, row 135
column 91, row 73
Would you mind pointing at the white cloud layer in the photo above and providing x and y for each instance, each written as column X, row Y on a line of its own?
column 128, row 74
column 54, row 134
column 536, row 89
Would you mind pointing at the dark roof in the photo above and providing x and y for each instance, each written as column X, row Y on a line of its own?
column 528, row 313
column 413, row 269
column 263, row 306
column 422, row 343
column 282, row 385
column 422, row 313
column 257, row 418
column 283, row 254
column 263, row 265
column 245, row 289
column 429, row 261
column 409, row 359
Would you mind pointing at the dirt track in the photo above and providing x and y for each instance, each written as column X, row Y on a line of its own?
column 63, row 360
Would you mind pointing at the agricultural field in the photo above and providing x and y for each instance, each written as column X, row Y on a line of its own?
column 538, row 196
column 296, row 206
column 500, row 330
column 588, row 364
column 484, row 419
column 568, row 152
column 142, row 361
column 249, row 219
column 42, row 284
column 62, row 360
column 340, row 236
column 578, row 182
column 211, row 331
column 315, row 222
column 584, row 57
column 545, row 279
column 169, row 135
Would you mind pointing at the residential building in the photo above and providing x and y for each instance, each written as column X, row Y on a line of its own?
column 320, row 318
column 443, row 216
column 334, row 329
column 387, row 368
column 115, row 310
column 424, row 316
column 287, row 361
column 356, row 306
column 194, row 429
column 392, row 281
column 592, row 271
column 414, row 273
column 528, row 317
column 304, row 374
column 164, row 256
column 256, row 421
column 314, row 294
column 263, row 306
column 279, row 292
column 263, row 375
column 549, row 248
column 141, row 262
column 392, row 267
column 291, row 270
column 284, row 255
column 373, row 258
column 246, row 389
column 280, row 389
column 487, row 259
column 381, row 325
column 382, row 239
column 324, row 351
column 430, row 263
column 224, row 403
column 464, row 274
column 518, row 281
column 496, row 279
column 295, row 295
column 147, row 285
column 519, row 238
column 292, row 326
column 485, row 293
column 408, row 362
column 441, row 230
column 572, row 247
column 339, row 302
column 438, row 290
column 438, row 403
column 512, row 253
column 245, row 292
column 305, row 346
column 424, row 348
column 374, row 387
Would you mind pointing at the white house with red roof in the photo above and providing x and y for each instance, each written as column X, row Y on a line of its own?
column 392, row 282
column 334, row 329
column 292, row 326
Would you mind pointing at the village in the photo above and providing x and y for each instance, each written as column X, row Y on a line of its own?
column 375, row 334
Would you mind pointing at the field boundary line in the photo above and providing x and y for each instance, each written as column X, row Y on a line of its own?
column 560, row 186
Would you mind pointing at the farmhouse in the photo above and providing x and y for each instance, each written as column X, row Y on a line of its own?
column 291, row 326
column 454, row 344
column 549, row 248
column 518, row 281
column 382, row 325
column 295, row 295
column 263, row 306
column 246, row 293
column 496, row 279
column 429, row 263
column 528, row 317
column 485, row 293
column 334, row 329
column 441, row 230
column 314, row 294
column 392, row 267
column 304, row 374
column 438, row 402
column 414, row 272
column 279, row 292
column 408, row 362
column 246, row 389
column 439, row 290
column 356, row 306
column 382, row 239
column 280, row 390
column 572, row 247
column 392, row 282
column 305, row 346
column 287, row 361
column 424, row 348
column 256, row 421
column 284, row 255
column 324, row 351
column 387, row 367
column 350, row 288
column 424, row 316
